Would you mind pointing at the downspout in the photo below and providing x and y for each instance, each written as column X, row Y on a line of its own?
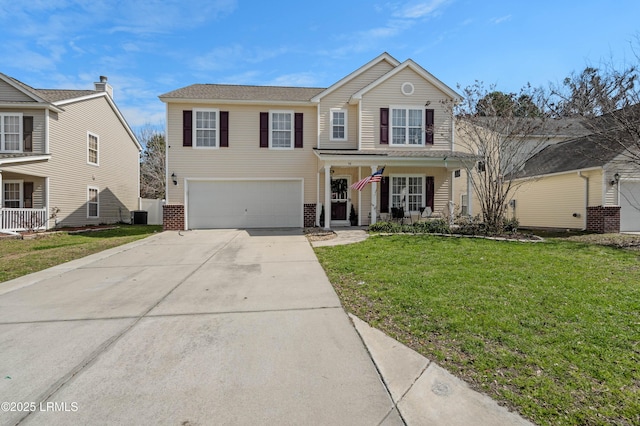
column 586, row 198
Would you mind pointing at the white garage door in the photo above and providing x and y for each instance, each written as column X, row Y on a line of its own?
column 629, row 206
column 244, row 204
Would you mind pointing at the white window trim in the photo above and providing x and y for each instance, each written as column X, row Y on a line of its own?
column 2, row 134
column 346, row 124
column 97, row 163
column 422, row 131
column 292, row 131
column 20, row 182
column 406, row 201
column 194, row 136
column 89, row 188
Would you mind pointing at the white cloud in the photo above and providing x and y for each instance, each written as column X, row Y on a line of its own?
column 305, row 79
column 501, row 19
column 420, row 10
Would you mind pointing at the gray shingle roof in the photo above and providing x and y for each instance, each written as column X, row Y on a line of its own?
column 576, row 154
column 243, row 93
column 51, row 95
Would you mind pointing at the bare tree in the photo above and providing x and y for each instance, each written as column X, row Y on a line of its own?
column 152, row 164
column 504, row 130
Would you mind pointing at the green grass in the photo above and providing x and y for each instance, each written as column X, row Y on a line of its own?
column 22, row 257
column 550, row 329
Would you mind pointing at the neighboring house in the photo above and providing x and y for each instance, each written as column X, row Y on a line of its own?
column 67, row 158
column 255, row 156
column 578, row 184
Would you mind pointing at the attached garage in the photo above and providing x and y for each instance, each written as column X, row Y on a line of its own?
column 244, row 203
column 629, row 206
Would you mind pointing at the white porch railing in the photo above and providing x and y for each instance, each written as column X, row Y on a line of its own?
column 22, row 219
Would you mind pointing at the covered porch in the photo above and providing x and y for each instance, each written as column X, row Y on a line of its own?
column 412, row 180
column 23, row 202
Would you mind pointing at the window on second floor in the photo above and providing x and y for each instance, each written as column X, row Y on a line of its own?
column 92, row 148
column 407, row 126
column 338, row 125
column 205, row 124
column 11, row 132
column 281, row 129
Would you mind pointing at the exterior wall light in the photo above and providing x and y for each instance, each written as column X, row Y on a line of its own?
column 174, row 178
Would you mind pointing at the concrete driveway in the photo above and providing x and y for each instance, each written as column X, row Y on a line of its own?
column 191, row 328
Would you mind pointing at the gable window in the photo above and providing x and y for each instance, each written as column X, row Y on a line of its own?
column 92, row 148
column 12, row 194
column 338, row 125
column 93, row 202
column 408, row 192
column 10, row 132
column 407, row 126
column 205, row 124
column 281, row 129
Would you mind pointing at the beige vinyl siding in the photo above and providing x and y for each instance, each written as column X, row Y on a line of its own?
column 339, row 98
column 243, row 158
column 389, row 94
column 70, row 175
column 38, row 126
column 9, row 93
column 551, row 201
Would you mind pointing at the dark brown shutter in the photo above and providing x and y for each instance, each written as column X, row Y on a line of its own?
column 298, row 130
column 27, row 134
column 429, row 113
column 384, row 126
column 430, row 192
column 384, row 195
column 27, row 195
column 224, row 129
column 187, row 124
column 264, row 130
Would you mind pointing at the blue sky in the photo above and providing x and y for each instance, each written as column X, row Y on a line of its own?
column 151, row 47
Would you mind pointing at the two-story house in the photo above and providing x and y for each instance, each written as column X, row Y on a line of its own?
column 67, row 158
column 256, row 156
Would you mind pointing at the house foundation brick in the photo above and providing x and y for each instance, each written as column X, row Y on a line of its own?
column 173, row 217
column 603, row 220
column 309, row 215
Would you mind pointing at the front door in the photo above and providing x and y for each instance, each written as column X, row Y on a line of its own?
column 339, row 199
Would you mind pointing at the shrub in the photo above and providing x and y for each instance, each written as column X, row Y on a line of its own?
column 438, row 226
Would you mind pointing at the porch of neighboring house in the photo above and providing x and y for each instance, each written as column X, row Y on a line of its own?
column 408, row 184
column 23, row 203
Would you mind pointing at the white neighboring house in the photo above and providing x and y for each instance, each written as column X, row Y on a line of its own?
column 67, row 157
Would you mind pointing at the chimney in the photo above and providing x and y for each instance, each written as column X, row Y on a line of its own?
column 103, row 86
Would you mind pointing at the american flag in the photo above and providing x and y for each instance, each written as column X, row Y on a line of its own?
column 376, row 177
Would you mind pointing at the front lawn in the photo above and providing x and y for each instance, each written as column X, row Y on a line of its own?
column 550, row 329
column 22, row 257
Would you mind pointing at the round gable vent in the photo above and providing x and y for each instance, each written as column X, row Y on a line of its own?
column 407, row 89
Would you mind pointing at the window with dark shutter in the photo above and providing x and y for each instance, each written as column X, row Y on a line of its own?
column 384, row 126
column 429, row 114
column 298, row 130
column 27, row 195
column 264, row 130
column 187, row 124
column 430, row 192
column 27, row 134
column 224, row 129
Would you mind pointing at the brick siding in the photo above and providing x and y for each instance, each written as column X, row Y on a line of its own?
column 173, row 217
column 309, row 215
column 603, row 220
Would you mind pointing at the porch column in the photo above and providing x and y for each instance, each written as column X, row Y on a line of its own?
column 327, row 196
column 374, row 196
column 1, row 191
